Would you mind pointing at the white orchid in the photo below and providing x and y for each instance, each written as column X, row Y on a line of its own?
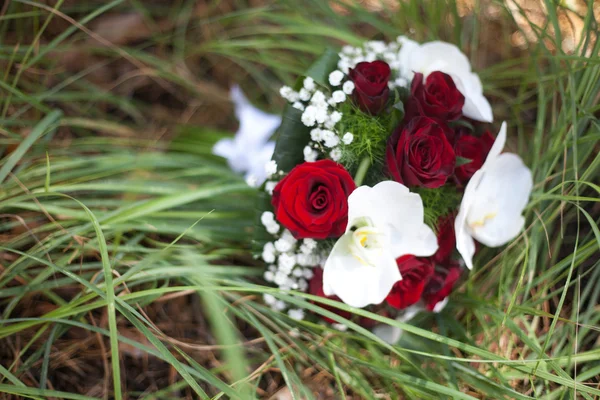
column 384, row 222
column 445, row 57
column 493, row 201
column 250, row 150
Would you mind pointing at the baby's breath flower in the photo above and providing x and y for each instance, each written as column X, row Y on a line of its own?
column 316, row 135
column 286, row 262
column 288, row 93
column 272, row 228
column 309, row 116
column 297, row 314
column 297, row 272
column 338, row 96
column 267, row 218
column 308, row 245
column 302, row 285
column 251, row 181
column 307, row 273
column 280, row 277
column 271, row 167
column 268, row 253
column 347, row 138
column 330, row 138
column 401, row 81
column 347, row 49
column 279, row 305
column 269, row 299
column 309, row 83
column 282, row 245
column 335, row 154
column 270, row 186
column 310, row 155
column 336, row 117
column 348, row 87
column 269, row 276
column 318, row 98
column 335, row 78
column 321, row 115
column 304, row 95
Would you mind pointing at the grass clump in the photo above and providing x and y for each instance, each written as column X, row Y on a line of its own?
column 183, row 314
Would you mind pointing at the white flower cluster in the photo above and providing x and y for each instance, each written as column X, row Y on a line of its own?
column 291, row 262
column 320, row 112
column 273, row 176
column 376, row 50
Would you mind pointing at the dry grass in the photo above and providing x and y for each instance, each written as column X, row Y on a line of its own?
column 142, row 100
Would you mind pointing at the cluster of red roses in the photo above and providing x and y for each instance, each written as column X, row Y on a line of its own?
column 311, row 201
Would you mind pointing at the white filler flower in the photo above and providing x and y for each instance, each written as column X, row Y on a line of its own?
column 493, row 202
column 250, row 149
column 384, row 222
column 447, row 58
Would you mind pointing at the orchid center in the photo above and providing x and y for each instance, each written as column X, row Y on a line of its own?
column 367, row 242
column 479, row 216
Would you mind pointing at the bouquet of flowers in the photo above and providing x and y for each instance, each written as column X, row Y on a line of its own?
column 383, row 178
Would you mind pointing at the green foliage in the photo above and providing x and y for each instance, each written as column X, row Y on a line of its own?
column 292, row 137
column 370, row 139
column 438, row 202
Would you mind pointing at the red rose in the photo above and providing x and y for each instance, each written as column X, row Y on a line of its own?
column 437, row 97
column 415, row 273
column 446, row 240
column 315, row 287
column 440, row 285
column 312, row 200
column 420, row 154
column 371, row 90
column 474, row 148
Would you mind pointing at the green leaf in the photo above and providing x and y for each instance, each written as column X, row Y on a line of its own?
column 462, row 161
column 397, row 113
column 324, row 65
column 293, row 136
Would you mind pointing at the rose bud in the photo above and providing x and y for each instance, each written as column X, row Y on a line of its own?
column 475, row 149
column 371, row 90
column 420, row 154
column 435, row 97
column 315, row 287
column 440, row 285
column 446, row 239
column 312, row 200
column 415, row 272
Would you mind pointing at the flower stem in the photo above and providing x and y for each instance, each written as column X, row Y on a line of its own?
column 362, row 171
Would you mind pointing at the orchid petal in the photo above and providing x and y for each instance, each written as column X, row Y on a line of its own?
column 509, row 182
column 392, row 207
column 248, row 151
column 357, row 284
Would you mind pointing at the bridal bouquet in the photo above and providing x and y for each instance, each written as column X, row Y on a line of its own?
column 383, row 178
